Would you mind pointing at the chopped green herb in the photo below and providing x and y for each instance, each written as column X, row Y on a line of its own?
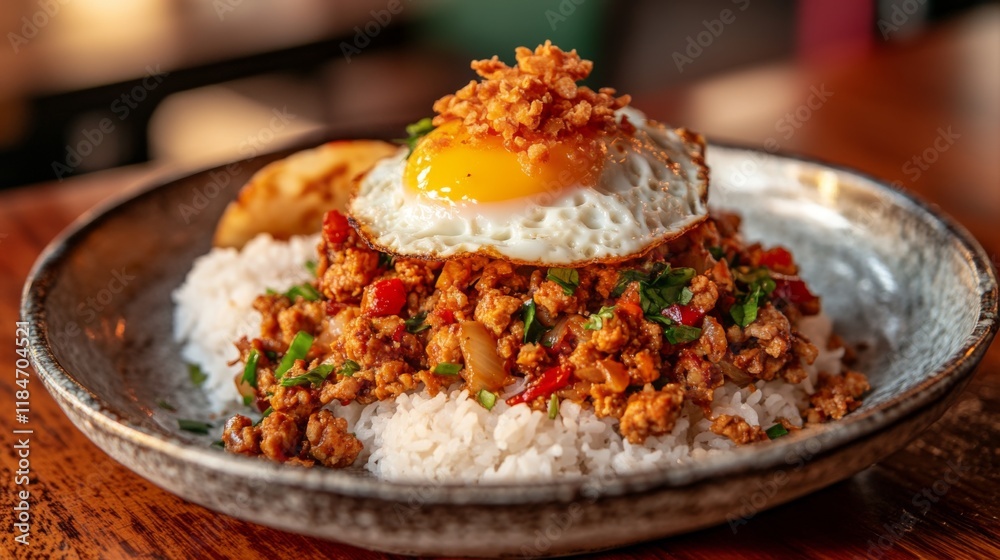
column 264, row 415
column 447, row 368
column 759, row 287
column 349, row 368
column 248, row 400
column 553, row 407
column 663, row 289
column 776, row 431
column 660, row 289
column 674, row 333
column 532, row 329
column 685, row 297
column 315, row 377
column 744, row 313
column 421, row 127
column 596, row 321
column 568, row 278
column 305, row 291
column 311, row 266
column 748, row 275
column 665, row 321
column 194, row 426
column 415, row 132
column 250, row 370
column 678, row 334
column 768, row 285
column 270, row 291
column 385, row 260
column 271, row 355
column 219, row 443
column 487, row 399
column 166, row 406
column 416, row 323
column 717, row 252
column 625, row 278
column 197, row 376
column 297, row 350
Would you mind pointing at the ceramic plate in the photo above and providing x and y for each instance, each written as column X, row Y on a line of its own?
column 911, row 284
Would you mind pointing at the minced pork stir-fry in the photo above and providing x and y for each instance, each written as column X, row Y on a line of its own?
column 633, row 340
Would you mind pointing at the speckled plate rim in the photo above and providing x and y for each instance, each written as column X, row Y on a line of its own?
column 831, row 437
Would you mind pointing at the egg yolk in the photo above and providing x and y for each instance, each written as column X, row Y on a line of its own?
column 448, row 164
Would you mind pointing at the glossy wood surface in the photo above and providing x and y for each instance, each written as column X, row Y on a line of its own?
column 937, row 498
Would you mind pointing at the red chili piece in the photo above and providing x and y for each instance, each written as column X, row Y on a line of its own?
column 335, row 227
column 683, row 314
column 447, row 316
column 795, row 291
column 398, row 334
column 777, row 259
column 261, row 403
column 550, row 381
column 726, row 302
column 384, row 298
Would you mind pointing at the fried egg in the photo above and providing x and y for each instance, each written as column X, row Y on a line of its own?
column 452, row 197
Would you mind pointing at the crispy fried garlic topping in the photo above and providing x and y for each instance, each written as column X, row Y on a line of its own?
column 535, row 104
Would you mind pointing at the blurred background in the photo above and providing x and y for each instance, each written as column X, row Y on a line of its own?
column 96, row 84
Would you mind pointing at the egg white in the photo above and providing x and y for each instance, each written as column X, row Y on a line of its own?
column 653, row 187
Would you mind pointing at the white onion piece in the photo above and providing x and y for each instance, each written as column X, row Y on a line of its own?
column 607, row 372
column 519, row 384
column 483, row 367
column 555, row 335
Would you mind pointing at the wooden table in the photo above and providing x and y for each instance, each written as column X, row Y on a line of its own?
column 886, row 108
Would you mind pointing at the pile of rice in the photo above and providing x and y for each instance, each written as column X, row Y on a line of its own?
column 450, row 437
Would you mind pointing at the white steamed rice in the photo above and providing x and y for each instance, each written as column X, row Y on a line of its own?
column 450, row 437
